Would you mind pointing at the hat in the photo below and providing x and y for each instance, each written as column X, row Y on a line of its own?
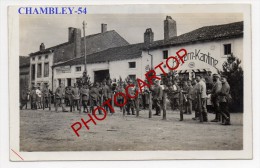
column 223, row 76
column 216, row 75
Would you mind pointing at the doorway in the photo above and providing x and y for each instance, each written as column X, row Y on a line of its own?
column 99, row 76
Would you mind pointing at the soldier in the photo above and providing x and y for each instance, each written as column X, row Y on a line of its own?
column 224, row 97
column 130, row 101
column 23, row 100
column 203, row 96
column 174, row 90
column 33, row 98
column 84, row 92
column 39, row 97
column 120, row 99
column 157, row 93
column 195, row 99
column 45, row 96
column 104, row 93
column 68, row 93
column 110, row 89
column 145, row 97
column 95, row 97
column 75, row 97
column 217, row 85
column 189, row 97
column 59, row 96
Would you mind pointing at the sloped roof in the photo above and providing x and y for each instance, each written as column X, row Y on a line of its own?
column 94, row 43
column 111, row 54
column 206, row 33
column 24, row 61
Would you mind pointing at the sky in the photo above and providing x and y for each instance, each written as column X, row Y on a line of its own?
column 53, row 30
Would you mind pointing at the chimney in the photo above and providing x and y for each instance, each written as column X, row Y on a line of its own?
column 42, row 47
column 77, row 42
column 148, row 36
column 103, row 28
column 71, row 32
column 170, row 29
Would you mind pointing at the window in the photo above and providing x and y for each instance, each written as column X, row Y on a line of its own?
column 40, row 57
column 33, row 72
column 46, row 56
column 165, row 54
column 68, row 81
column 78, row 69
column 33, row 58
column 59, row 81
column 132, row 64
column 227, row 49
column 46, row 69
column 132, row 77
column 39, row 70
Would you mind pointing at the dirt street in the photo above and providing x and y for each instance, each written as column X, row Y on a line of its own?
column 50, row 131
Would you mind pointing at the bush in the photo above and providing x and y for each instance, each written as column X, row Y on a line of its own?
column 234, row 72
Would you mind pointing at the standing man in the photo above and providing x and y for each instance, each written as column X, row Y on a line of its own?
column 84, row 92
column 104, row 93
column 94, row 98
column 68, row 92
column 131, row 101
column 23, row 100
column 157, row 93
column 175, row 91
column 39, row 97
column 223, row 99
column 203, row 96
column 195, row 99
column 75, row 97
column 45, row 96
column 59, row 96
column 217, row 85
column 33, row 99
column 189, row 97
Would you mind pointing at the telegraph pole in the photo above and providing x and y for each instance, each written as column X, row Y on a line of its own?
column 84, row 25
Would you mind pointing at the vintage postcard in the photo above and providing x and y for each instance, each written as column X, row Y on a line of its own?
column 130, row 82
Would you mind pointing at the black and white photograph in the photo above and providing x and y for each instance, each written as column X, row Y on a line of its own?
column 132, row 82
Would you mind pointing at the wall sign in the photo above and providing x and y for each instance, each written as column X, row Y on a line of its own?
column 198, row 55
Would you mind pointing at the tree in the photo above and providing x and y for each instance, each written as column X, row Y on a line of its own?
column 234, row 72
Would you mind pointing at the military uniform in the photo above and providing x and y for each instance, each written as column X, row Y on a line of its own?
column 157, row 93
column 68, row 93
column 175, row 91
column 33, row 99
column 217, row 85
column 223, row 99
column 131, row 101
column 84, row 92
column 189, row 98
column 45, row 97
column 94, row 98
column 59, row 96
column 75, row 97
column 202, row 91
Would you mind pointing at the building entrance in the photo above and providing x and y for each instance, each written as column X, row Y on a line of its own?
column 99, row 76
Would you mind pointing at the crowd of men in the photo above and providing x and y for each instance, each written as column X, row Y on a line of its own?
column 190, row 95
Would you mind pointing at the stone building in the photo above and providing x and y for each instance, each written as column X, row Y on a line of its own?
column 24, row 67
column 207, row 47
column 42, row 61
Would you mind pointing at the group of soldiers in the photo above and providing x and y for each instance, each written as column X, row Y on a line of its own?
column 192, row 95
